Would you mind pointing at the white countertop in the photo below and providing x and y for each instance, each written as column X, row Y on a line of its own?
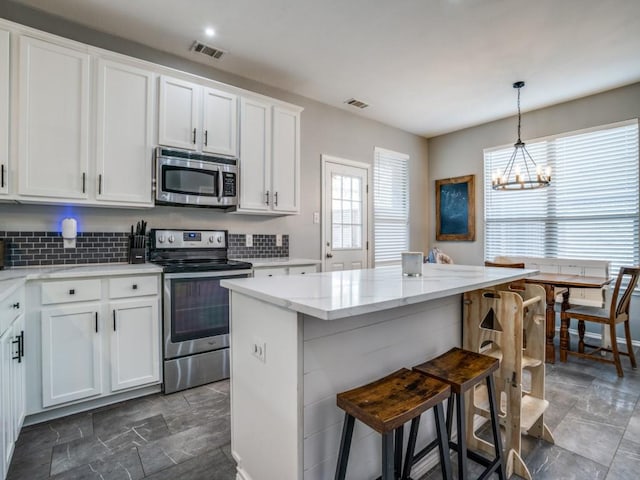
column 278, row 262
column 334, row 295
column 75, row 271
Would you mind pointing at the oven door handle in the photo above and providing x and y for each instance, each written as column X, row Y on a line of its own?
column 209, row 274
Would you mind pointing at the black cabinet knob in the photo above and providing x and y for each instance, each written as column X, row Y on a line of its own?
column 135, row 287
column 72, row 291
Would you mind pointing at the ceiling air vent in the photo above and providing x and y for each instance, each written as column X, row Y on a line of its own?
column 207, row 50
column 356, row 103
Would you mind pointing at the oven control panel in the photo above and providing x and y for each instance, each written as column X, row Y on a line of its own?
column 176, row 239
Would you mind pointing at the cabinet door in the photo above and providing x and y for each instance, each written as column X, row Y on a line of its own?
column 179, row 112
column 286, row 160
column 19, row 375
column 135, row 349
column 7, row 437
column 124, row 124
column 71, row 353
column 4, row 112
column 255, row 153
column 220, row 122
column 53, row 144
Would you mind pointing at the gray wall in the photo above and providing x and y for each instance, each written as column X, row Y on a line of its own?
column 325, row 130
column 460, row 153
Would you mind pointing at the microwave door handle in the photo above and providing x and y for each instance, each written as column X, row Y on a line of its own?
column 220, row 184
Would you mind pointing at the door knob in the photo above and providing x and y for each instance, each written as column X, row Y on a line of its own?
column 329, row 255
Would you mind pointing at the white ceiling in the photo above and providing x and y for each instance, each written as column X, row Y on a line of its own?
column 425, row 66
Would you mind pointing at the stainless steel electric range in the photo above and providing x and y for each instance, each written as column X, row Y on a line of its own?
column 195, row 306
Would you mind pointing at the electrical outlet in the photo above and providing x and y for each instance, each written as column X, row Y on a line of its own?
column 278, row 239
column 316, row 217
column 248, row 240
column 259, row 350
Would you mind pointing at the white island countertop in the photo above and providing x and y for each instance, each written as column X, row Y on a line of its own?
column 335, row 295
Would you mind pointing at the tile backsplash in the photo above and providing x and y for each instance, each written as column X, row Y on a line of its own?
column 45, row 248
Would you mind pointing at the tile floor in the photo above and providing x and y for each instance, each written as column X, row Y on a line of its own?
column 594, row 417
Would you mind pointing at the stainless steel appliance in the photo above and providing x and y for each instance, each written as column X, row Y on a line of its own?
column 195, row 306
column 195, row 179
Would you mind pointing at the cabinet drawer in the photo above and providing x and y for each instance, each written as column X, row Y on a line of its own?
column 301, row 270
column 269, row 272
column 122, row 287
column 70, row 291
column 11, row 308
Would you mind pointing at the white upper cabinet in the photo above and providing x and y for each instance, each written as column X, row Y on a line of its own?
column 4, row 111
column 220, row 122
column 124, row 150
column 197, row 118
column 179, row 110
column 255, row 156
column 286, row 160
column 269, row 158
column 53, row 116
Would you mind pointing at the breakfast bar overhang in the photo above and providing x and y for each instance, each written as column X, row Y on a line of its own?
column 296, row 341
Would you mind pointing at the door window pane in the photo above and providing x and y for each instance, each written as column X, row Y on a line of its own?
column 346, row 212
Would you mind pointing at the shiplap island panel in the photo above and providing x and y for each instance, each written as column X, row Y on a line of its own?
column 297, row 341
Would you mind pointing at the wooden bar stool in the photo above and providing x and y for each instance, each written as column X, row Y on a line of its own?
column 386, row 405
column 463, row 370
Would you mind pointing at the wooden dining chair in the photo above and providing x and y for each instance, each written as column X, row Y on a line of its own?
column 618, row 312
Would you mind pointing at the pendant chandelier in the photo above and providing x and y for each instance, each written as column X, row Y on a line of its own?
column 521, row 172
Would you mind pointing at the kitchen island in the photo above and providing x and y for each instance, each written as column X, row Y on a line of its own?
column 297, row 341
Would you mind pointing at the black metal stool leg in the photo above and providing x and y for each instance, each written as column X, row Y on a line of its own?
column 443, row 444
column 345, row 446
column 411, row 446
column 495, row 426
column 462, row 434
column 450, row 404
column 387, row 456
column 397, row 460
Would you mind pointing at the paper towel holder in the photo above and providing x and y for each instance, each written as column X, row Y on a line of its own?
column 69, row 232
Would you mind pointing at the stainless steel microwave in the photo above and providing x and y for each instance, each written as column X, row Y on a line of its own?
column 195, row 179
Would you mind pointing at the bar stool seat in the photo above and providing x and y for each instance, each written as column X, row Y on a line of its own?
column 462, row 370
column 385, row 405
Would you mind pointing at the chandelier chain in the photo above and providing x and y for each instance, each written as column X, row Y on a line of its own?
column 519, row 116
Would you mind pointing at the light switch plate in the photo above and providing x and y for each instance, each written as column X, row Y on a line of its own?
column 259, row 349
column 248, row 240
column 278, row 239
column 316, row 217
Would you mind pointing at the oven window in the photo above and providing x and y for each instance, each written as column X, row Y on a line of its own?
column 190, row 181
column 199, row 308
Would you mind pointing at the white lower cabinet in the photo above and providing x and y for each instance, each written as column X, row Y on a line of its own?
column 97, row 337
column 71, row 353
column 284, row 270
column 135, row 351
column 12, row 375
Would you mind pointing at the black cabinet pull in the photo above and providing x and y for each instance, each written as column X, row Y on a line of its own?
column 84, row 181
column 21, row 343
column 135, row 287
column 72, row 291
column 267, row 197
column 206, row 137
column 16, row 305
column 194, row 136
column 96, row 322
column 17, row 355
column 114, row 320
column 2, row 176
column 100, row 184
column 275, row 199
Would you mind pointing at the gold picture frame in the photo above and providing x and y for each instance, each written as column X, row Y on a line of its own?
column 456, row 209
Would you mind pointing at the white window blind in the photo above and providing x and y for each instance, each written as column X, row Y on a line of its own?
column 390, row 205
column 590, row 210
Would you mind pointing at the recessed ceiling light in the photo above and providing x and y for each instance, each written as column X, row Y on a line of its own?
column 209, row 32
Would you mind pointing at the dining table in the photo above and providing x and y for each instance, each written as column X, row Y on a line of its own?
column 551, row 281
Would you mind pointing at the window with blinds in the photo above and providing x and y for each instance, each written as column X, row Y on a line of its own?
column 590, row 210
column 390, row 205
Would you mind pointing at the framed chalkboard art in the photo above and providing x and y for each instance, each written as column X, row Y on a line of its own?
column 456, row 209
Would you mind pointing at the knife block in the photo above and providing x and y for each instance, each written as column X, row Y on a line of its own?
column 137, row 252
